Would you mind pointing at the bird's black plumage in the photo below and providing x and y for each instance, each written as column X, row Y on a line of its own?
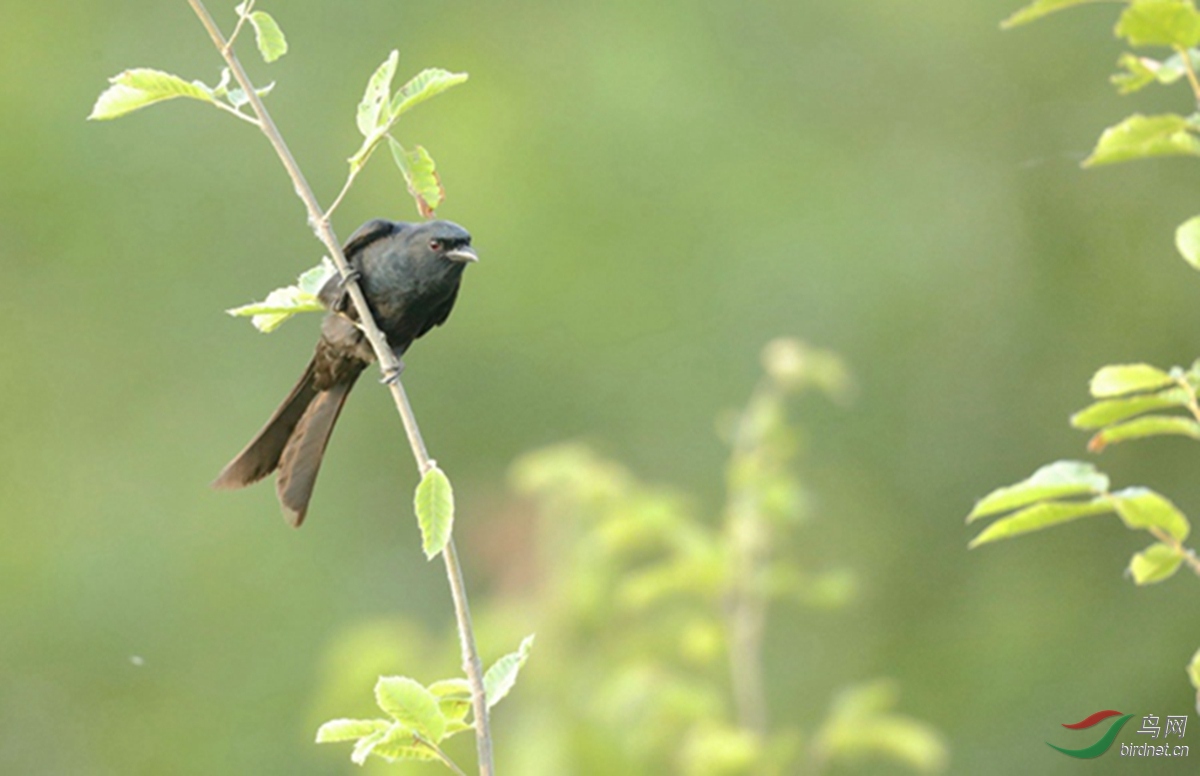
column 410, row 275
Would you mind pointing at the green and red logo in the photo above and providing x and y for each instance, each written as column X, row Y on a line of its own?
column 1105, row 741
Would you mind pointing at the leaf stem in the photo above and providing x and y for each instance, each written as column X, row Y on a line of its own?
column 389, row 364
column 243, row 15
column 1189, row 555
column 437, row 750
column 1185, row 57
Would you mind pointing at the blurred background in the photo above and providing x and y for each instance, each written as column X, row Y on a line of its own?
column 656, row 191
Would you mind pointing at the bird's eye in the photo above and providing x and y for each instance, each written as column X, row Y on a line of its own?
column 435, row 245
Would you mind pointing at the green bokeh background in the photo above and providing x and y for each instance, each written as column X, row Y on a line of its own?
column 655, row 190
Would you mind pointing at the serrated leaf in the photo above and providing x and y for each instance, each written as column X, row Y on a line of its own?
column 425, row 84
column 1039, row 517
column 1173, row 23
column 400, row 744
column 434, row 504
column 362, row 750
column 1187, row 240
column 420, row 175
column 454, row 698
column 1107, row 411
column 282, row 303
column 1056, row 480
column 267, row 35
column 1154, row 564
column 1120, row 379
column 1037, row 10
column 349, row 729
column 411, row 705
column 137, row 88
column 501, row 677
column 1142, row 508
column 1141, row 428
column 379, row 87
column 1145, row 137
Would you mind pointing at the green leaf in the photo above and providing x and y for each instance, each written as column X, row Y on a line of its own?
column 1154, row 564
column 1187, row 240
column 363, row 748
column 1055, row 480
column 1172, row 23
column 1040, row 516
column 1148, row 426
column 501, row 677
column 271, row 43
column 376, row 95
column 400, row 744
column 425, row 84
column 1144, row 137
column 434, row 504
column 1138, row 73
column 1142, row 508
column 349, row 729
column 861, row 725
column 134, row 89
column 1193, row 670
column 411, row 705
column 420, row 174
column 283, row 303
column 1120, row 379
column 1107, row 411
column 1037, row 10
column 454, row 698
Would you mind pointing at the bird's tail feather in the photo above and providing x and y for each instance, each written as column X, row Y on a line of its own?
column 261, row 456
column 301, row 457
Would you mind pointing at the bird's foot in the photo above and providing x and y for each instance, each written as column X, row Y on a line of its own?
column 391, row 376
column 343, row 295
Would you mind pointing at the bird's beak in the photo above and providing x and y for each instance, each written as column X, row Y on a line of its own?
column 464, row 254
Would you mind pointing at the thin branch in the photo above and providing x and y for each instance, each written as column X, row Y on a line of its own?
column 246, row 8
column 437, row 751
column 389, row 364
column 235, row 112
column 1185, row 57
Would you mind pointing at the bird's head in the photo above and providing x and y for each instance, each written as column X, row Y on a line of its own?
column 441, row 241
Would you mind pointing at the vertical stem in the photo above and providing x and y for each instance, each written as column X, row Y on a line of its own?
column 389, row 364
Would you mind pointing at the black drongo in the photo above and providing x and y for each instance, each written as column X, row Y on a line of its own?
column 410, row 275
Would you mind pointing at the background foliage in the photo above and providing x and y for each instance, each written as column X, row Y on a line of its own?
column 656, row 191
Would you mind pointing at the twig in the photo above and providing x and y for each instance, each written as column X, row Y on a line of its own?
column 1185, row 57
column 389, row 364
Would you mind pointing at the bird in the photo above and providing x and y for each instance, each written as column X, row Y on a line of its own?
column 410, row 275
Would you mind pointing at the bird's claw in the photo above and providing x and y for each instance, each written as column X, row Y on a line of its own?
column 391, row 376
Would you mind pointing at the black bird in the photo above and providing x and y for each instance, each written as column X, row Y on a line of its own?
column 410, row 275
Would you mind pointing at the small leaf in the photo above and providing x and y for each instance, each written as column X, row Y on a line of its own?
column 501, row 677
column 1173, row 23
column 1154, row 564
column 1143, row 137
column 1141, row 428
column 1120, row 379
column 434, row 504
column 267, row 35
column 1193, row 670
column 1055, row 480
column 420, row 174
column 349, row 729
column 1037, row 10
column 1039, row 517
column 454, row 698
column 1142, row 508
column 1187, row 240
column 363, row 748
column 1138, row 73
column 376, row 95
column 237, row 95
column 425, row 84
column 1107, row 411
column 283, row 303
column 411, row 705
column 134, row 89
